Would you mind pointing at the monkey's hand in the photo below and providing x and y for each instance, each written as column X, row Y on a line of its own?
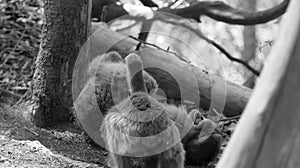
column 202, row 127
column 208, row 127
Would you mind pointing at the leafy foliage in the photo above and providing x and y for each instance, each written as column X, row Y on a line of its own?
column 20, row 29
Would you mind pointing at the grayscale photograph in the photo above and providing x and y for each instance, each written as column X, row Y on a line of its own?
column 149, row 83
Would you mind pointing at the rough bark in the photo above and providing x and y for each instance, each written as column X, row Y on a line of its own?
column 185, row 81
column 65, row 31
column 268, row 134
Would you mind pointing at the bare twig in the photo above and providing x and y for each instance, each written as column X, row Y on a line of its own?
column 149, row 3
column 231, row 118
column 220, row 11
column 194, row 28
column 28, row 92
column 175, row 4
column 257, row 73
column 266, row 43
column 2, row 91
column 216, row 10
column 153, row 45
column 36, row 134
column 18, row 41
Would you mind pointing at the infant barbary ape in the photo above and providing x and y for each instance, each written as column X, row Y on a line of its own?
column 138, row 131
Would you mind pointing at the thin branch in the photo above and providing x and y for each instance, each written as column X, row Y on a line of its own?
column 145, row 29
column 149, row 3
column 216, row 10
column 220, row 11
column 28, row 92
column 6, row 92
column 153, row 45
column 175, row 4
column 256, row 72
column 31, row 131
column 231, row 118
column 195, row 29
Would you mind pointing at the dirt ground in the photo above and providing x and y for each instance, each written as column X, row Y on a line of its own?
column 23, row 145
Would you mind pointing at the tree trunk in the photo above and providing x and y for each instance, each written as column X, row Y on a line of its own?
column 249, row 33
column 250, row 41
column 64, row 33
column 268, row 134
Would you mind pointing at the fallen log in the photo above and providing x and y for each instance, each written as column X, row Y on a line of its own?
column 178, row 79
